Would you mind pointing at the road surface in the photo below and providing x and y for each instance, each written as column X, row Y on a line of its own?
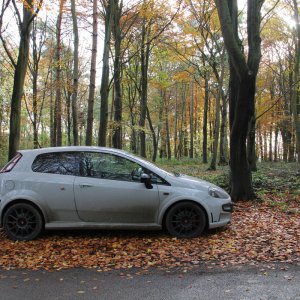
column 243, row 283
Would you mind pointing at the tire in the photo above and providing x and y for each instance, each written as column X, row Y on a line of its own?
column 185, row 220
column 22, row 222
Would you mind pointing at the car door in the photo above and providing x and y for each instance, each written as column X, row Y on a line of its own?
column 53, row 180
column 110, row 191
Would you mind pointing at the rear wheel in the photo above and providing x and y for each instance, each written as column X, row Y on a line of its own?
column 185, row 220
column 22, row 222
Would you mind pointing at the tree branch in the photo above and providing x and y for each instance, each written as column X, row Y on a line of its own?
column 8, row 52
column 234, row 52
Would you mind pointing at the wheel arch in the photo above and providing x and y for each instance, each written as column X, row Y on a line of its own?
column 17, row 201
column 163, row 220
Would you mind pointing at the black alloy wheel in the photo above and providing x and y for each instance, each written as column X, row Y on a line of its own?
column 185, row 220
column 22, row 222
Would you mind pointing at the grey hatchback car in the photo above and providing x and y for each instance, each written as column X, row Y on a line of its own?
column 103, row 188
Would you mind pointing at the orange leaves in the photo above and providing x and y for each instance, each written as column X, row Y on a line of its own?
column 183, row 76
column 258, row 233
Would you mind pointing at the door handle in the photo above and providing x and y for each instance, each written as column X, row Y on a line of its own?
column 85, row 185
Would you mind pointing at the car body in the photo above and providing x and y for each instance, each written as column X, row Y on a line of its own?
column 97, row 187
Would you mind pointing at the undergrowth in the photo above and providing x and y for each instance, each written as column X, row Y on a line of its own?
column 272, row 177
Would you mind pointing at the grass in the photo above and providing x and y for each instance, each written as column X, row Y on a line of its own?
column 270, row 177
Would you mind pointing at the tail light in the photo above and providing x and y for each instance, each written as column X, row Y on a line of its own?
column 11, row 164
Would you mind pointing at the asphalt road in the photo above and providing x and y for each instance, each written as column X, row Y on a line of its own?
column 242, row 283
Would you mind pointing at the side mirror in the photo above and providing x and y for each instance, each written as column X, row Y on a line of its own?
column 146, row 179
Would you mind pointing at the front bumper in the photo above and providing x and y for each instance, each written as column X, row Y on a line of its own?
column 224, row 216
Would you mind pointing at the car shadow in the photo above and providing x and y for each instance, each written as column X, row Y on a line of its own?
column 93, row 233
column 99, row 233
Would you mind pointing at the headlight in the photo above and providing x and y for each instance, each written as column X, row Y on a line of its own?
column 216, row 193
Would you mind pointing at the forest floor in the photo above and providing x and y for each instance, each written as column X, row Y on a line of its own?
column 263, row 231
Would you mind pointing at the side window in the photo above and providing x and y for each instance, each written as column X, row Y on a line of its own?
column 109, row 166
column 155, row 179
column 64, row 163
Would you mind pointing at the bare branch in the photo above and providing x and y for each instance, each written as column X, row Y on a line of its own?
column 8, row 52
column 277, row 101
column 17, row 12
column 3, row 9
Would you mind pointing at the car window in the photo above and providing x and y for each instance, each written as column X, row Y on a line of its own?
column 114, row 167
column 64, row 163
column 109, row 166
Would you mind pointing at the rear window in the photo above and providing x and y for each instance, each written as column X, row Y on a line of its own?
column 63, row 163
column 11, row 164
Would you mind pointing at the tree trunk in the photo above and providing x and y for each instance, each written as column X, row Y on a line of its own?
column 251, row 153
column 104, row 90
column 291, row 157
column 34, row 73
column 91, row 99
column 176, row 122
column 19, row 79
column 117, row 130
column 69, row 120
column 265, row 145
column 223, row 134
column 111, row 118
column 295, row 99
column 243, row 74
column 192, row 109
column 58, row 104
column 241, row 181
column 285, row 140
column 213, row 164
column 206, row 102
column 132, row 101
column 1, row 117
column 35, row 112
column 196, row 121
column 260, row 140
column 276, row 145
column 75, row 73
column 168, row 142
column 52, row 113
column 145, row 52
column 270, row 158
column 153, row 136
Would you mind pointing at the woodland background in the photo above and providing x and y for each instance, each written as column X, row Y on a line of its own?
column 151, row 77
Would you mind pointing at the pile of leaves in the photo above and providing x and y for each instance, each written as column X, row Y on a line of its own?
column 259, row 232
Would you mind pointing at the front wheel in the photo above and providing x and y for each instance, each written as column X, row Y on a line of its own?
column 22, row 222
column 185, row 220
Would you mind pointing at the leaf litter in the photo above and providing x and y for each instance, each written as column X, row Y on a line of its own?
column 260, row 232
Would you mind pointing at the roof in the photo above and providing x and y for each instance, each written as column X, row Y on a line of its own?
column 73, row 148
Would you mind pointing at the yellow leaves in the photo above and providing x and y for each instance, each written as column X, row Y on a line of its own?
column 183, row 76
column 115, row 245
column 151, row 9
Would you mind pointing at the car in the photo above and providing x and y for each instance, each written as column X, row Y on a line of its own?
column 103, row 188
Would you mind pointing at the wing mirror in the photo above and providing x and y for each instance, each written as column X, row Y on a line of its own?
column 146, row 179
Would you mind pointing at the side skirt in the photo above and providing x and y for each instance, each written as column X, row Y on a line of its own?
column 94, row 225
